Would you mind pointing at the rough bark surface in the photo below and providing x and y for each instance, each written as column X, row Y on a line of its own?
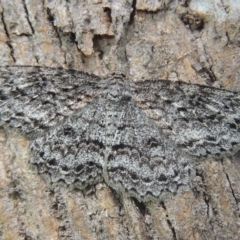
column 192, row 41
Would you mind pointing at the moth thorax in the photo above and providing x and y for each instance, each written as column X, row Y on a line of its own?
column 117, row 90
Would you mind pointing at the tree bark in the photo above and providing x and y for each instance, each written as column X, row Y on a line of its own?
column 191, row 41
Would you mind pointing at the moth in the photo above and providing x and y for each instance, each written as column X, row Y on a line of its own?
column 142, row 138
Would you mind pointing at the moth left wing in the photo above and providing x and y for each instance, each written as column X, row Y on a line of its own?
column 33, row 99
column 73, row 151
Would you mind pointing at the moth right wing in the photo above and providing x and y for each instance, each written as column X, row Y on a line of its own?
column 202, row 121
column 33, row 99
column 142, row 162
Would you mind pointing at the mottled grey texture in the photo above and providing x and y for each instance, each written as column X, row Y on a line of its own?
column 200, row 120
column 140, row 138
column 33, row 99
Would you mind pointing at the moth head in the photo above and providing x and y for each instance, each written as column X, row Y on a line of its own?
column 117, row 88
